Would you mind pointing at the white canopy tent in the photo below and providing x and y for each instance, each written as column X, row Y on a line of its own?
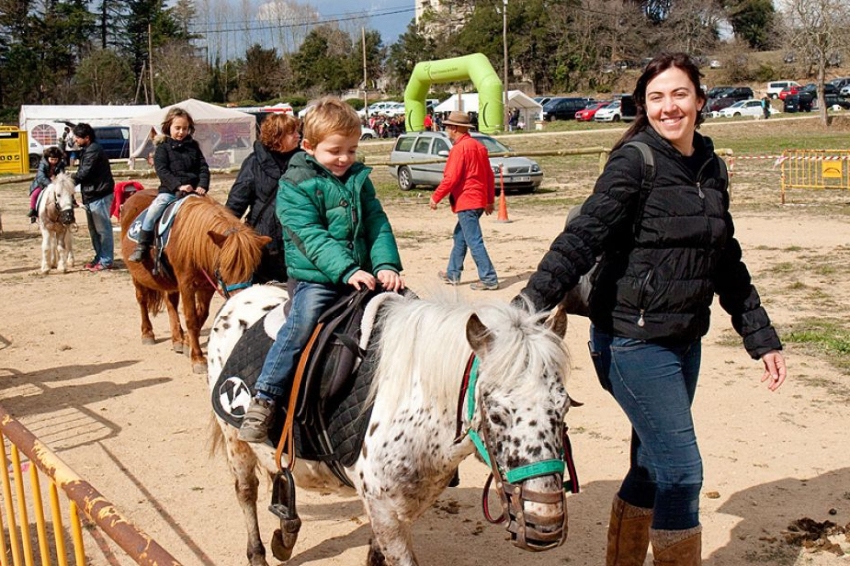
column 45, row 124
column 226, row 136
column 529, row 109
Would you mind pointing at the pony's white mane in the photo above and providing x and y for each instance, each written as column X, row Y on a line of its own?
column 432, row 365
column 63, row 187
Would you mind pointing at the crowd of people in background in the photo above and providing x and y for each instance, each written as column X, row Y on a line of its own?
column 393, row 126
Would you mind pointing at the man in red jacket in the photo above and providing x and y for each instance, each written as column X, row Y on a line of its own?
column 469, row 181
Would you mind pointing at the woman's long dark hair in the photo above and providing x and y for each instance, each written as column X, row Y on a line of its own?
column 654, row 68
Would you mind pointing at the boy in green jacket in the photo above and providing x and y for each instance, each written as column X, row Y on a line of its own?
column 336, row 234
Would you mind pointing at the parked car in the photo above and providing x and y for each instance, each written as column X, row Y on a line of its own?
column 385, row 108
column 750, row 107
column 776, row 87
column 832, row 100
column 520, row 173
column 800, row 102
column 790, row 89
column 564, row 108
column 115, row 141
column 727, row 98
column 827, row 89
column 586, row 114
column 840, row 83
column 715, row 92
column 845, row 90
column 367, row 133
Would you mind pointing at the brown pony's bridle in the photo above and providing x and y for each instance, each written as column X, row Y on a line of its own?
column 529, row 531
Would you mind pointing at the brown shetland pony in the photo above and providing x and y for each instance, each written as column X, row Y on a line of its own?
column 206, row 239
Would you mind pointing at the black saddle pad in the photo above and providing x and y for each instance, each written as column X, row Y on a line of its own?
column 336, row 425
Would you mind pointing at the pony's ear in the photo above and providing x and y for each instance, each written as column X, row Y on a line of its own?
column 557, row 323
column 478, row 335
column 264, row 240
column 218, row 239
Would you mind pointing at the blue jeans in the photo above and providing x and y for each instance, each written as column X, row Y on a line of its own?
column 309, row 301
column 467, row 234
column 155, row 210
column 100, row 230
column 655, row 387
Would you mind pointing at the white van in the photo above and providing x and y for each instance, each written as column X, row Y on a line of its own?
column 775, row 87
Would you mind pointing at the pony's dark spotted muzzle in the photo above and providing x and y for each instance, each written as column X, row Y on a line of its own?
column 66, row 217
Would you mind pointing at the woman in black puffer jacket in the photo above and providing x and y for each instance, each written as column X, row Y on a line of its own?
column 665, row 253
column 255, row 189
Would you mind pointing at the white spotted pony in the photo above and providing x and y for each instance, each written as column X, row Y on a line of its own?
column 56, row 219
column 416, row 437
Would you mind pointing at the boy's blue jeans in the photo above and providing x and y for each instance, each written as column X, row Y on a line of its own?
column 155, row 210
column 309, row 301
column 655, row 387
column 467, row 234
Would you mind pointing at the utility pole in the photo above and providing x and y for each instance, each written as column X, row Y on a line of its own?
column 505, row 47
column 150, row 62
column 365, row 79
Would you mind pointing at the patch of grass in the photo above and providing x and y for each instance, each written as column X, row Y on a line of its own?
column 828, row 338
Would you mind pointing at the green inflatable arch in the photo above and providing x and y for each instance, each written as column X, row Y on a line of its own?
column 475, row 67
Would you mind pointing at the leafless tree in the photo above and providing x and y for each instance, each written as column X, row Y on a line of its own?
column 817, row 29
column 179, row 70
column 691, row 26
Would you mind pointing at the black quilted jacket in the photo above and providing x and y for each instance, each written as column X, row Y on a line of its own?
column 179, row 163
column 658, row 277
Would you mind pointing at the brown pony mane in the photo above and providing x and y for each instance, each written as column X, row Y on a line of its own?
column 236, row 258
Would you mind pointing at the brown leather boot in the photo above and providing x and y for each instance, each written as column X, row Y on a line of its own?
column 628, row 534
column 677, row 548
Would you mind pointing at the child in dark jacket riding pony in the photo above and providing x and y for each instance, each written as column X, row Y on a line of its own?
column 181, row 168
column 50, row 166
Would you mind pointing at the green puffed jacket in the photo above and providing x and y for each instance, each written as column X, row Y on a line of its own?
column 332, row 227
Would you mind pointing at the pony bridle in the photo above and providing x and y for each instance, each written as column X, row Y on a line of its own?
column 529, row 531
column 225, row 289
column 65, row 217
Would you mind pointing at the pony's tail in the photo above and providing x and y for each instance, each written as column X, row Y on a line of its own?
column 155, row 300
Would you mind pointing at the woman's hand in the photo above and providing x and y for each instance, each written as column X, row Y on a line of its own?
column 390, row 280
column 774, row 369
column 201, row 191
column 361, row 277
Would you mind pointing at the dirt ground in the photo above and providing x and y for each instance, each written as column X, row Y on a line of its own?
column 135, row 421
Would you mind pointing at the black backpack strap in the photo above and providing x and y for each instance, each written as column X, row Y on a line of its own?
column 648, row 179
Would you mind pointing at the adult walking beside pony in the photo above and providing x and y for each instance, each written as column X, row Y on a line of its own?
column 255, row 189
column 94, row 176
column 665, row 253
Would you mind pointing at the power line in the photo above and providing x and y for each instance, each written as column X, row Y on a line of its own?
column 348, row 16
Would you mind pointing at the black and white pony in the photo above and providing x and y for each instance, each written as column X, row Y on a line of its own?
column 513, row 408
column 56, row 219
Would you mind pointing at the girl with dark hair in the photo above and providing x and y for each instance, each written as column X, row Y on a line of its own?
column 665, row 253
column 181, row 168
column 51, row 164
column 255, row 189
column 94, row 175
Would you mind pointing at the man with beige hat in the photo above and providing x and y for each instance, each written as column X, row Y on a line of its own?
column 469, row 182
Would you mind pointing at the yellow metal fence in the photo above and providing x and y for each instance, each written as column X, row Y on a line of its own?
column 23, row 502
column 815, row 169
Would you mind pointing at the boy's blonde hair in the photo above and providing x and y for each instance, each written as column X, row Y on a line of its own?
column 330, row 116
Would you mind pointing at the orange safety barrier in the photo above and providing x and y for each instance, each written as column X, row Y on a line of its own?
column 20, row 502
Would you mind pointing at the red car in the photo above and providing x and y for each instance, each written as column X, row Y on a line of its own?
column 587, row 113
column 793, row 89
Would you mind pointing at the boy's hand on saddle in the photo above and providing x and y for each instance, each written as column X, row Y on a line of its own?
column 363, row 278
column 390, row 280
column 201, row 191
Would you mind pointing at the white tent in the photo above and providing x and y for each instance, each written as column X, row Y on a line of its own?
column 45, row 124
column 529, row 109
column 226, row 136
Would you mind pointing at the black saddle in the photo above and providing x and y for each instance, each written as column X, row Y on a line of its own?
column 330, row 415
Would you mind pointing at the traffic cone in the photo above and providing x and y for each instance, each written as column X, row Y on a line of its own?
column 503, row 203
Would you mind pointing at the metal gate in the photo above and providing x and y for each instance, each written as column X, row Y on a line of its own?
column 815, row 169
column 23, row 503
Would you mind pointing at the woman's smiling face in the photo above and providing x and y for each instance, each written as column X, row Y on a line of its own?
column 672, row 106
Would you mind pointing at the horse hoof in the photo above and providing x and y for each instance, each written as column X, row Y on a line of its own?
column 148, row 340
column 198, row 367
column 279, row 550
column 177, row 347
